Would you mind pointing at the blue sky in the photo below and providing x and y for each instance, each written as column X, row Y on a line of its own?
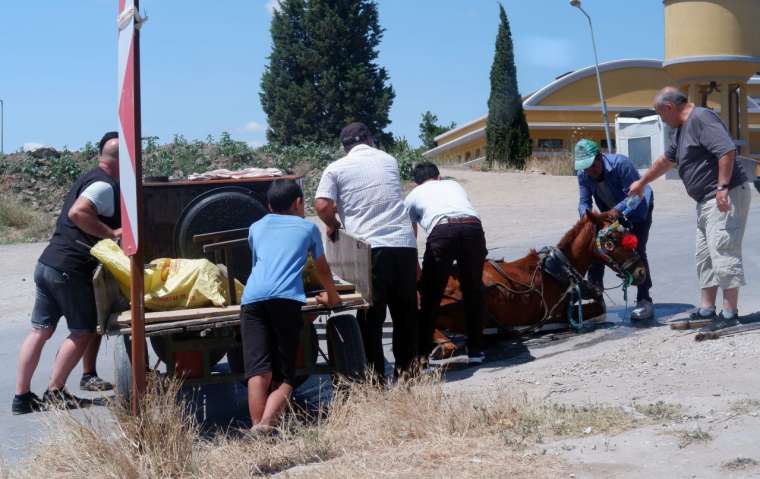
column 202, row 61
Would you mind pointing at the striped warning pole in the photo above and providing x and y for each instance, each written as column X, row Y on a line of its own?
column 130, row 179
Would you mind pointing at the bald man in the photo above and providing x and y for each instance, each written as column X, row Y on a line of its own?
column 705, row 155
column 63, row 278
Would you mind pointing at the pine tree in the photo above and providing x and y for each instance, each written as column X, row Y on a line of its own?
column 507, row 134
column 322, row 71
column 429, row 129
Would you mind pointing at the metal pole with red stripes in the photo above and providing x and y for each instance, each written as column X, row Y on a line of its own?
column 130, row 179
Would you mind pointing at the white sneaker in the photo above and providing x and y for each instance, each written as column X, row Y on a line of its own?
column 644, row 310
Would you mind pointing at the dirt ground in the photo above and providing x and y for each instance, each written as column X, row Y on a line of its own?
column 699, row 402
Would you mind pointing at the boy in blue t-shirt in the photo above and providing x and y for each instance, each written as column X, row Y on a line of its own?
column 270, row 315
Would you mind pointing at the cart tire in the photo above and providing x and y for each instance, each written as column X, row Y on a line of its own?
column 345, row 347
column 160, row 347
column 122, row 369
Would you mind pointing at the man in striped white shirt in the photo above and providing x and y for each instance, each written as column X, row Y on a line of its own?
column 364, row 189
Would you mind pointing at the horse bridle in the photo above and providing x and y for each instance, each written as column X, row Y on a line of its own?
column 605, row 245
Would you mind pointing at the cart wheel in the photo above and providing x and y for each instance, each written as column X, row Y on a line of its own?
column 161, row 348
column 122, row 369
column 345, row 348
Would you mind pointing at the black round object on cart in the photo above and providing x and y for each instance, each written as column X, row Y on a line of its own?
column 224, row 208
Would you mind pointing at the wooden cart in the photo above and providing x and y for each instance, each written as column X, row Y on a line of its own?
column 190, row 342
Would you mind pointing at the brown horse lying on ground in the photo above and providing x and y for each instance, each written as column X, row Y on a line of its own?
column 538, row 288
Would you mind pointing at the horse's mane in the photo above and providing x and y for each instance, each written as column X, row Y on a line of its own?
column 570, row 236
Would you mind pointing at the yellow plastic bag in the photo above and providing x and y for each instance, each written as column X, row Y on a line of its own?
column 169, row 283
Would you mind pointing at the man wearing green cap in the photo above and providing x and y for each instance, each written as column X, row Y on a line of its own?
column 606, row 178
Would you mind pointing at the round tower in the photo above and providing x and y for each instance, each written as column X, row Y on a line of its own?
column 712, row 48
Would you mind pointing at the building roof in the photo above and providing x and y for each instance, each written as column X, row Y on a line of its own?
column 532, row 101
column 536, row 98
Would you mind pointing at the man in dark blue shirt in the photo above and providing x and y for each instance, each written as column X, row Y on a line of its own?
column 605, row 179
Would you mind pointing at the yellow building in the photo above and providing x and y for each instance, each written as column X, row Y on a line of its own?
column 712, row 52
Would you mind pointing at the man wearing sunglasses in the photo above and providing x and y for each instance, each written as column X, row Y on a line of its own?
column 605, row 179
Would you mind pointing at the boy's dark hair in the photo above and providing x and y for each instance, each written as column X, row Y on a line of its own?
column 425, row 171
column 108, row 136
column 282, row 194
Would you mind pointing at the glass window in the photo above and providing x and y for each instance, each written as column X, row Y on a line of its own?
column 554, row 143
column 467, row 156
column 640, row 152
column 477, row 153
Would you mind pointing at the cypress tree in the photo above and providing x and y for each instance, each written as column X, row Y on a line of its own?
column 507, row 134
column 322, row 71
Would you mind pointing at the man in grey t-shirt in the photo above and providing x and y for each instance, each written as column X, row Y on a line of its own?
column 705, row 155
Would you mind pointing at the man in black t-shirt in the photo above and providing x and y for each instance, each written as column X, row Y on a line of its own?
column 63, row 278
column 705, row 155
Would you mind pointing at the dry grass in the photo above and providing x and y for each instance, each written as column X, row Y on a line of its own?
column 660, row 411
column 739, row 464
column 687, row 438
column 20, row 223
column 414, row 429
column 744, row 406
column 559, row 163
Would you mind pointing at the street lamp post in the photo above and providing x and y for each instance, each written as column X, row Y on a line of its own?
column 577, row 4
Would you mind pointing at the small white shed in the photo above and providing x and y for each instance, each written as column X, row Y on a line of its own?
column 641, row 136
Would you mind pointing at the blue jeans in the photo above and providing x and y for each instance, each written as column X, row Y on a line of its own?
column 63, row 294
column 641, row 230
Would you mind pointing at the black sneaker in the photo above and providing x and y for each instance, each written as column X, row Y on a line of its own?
column 26, row 403
column 721, row 322
column 91, row 382
column 62, row 399
column 697, row 316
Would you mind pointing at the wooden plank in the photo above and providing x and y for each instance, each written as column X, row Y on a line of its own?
column 351, row 259
column 352, row 299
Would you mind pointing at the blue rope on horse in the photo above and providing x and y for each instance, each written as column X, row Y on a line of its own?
column 577, row 325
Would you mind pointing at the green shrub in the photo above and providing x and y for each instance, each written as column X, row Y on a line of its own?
column 64, row 169
column 406, row 156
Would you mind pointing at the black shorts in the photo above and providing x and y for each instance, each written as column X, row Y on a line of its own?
column 271, row 331
column 63, row 294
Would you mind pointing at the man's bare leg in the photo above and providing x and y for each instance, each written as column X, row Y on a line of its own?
column 90, row 357
column 69, row 354
column 709, row 295
column 29, row 357
column 731, row 299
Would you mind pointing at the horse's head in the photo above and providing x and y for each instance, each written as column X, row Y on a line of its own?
column 615, row 246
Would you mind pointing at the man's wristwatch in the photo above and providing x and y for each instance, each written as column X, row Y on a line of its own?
column 722, row 187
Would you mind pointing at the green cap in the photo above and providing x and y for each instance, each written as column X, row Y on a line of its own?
column 585, row 152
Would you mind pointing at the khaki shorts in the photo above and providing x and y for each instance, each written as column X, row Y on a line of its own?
column 719, row 240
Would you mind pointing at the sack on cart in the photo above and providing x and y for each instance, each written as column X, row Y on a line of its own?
column 169, row 283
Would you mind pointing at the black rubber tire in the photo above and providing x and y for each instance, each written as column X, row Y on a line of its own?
column 345, row 348
column 220, row 209
column 160, row 347
column 237, row 365
column 122, row 369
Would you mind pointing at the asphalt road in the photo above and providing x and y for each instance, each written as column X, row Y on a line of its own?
column 671, row 250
